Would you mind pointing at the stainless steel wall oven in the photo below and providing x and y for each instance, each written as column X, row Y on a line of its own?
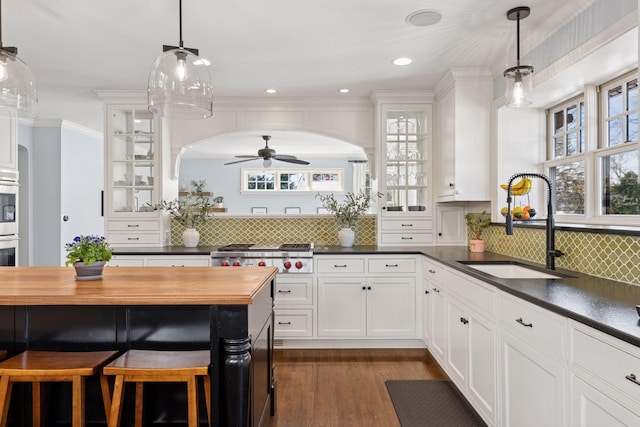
column 8, row 251
column 8, row 203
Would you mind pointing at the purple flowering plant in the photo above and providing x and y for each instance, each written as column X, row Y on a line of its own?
column 88, row 249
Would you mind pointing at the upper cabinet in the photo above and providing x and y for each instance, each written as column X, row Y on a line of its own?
column 464, row 99
column 8, row 144
column 133, row 178
column 405, row 135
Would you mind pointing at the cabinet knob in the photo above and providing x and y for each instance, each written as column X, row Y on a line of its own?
column 451, row 184
column 426, row 292
column 436, row 290
column 368, row 288
column 432, row 271
column 632, row 378
column 364, row 288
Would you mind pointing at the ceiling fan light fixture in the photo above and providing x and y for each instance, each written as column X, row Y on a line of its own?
column 267, row 163
column 18, row 96
column 519, row 79
column 180, row 84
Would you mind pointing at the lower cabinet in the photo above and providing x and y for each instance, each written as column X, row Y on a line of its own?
column 160, row 261
column 591, row 407
column 373, row 307
column 293, row 306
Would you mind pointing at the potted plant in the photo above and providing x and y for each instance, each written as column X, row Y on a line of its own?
column 88, row 254
column 189, row 211
column 348, row 212
column 476, row 222
column 198, row 186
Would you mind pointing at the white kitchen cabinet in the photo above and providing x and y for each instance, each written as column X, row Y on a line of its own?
column 427, row 312
column 464, row 99
column 604, row 379
column 450, row 224
column 8, row 144
column 391, row 307
column 294, row 306
column 160, row 261
column 533, row 367
column 342, row 307
column 433, row 282
column 133, row 177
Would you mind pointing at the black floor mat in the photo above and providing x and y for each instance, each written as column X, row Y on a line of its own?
column 431, row 403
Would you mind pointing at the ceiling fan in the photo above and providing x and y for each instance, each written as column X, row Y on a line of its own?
column 267, row 154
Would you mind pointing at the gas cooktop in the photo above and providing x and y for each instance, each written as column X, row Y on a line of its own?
column 290, row 247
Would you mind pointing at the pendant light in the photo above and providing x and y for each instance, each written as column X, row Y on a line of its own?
column 519, row 78
column 179, row 83
column 17, row 88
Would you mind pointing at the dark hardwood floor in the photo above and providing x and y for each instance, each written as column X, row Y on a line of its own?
column 344, row 387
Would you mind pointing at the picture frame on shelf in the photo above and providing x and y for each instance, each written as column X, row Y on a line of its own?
column 259, row 210
column 292, row 210
column 322, row 211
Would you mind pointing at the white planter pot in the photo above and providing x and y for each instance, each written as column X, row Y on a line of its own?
column 346, row 237
column 190, row 237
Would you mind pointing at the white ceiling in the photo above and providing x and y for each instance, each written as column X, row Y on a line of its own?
column 300, row 48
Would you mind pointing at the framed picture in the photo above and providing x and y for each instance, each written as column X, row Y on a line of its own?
column 258, row 210
column 323, row 211
column 292, row 211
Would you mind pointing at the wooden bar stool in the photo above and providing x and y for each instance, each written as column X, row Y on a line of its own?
column 140, row 366
column 3, row 354
column 53, row 366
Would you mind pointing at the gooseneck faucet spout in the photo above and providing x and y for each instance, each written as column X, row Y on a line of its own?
column 551, row 252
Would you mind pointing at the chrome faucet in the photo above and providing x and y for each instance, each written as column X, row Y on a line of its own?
column 551, row 252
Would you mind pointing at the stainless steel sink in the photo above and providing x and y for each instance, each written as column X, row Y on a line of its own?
column 512, row 270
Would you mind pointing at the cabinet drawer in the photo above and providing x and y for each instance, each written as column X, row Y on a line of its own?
column 345, row 264
column 292, row 291
column 481, row 298
column 134, row 238
column 293, row 323
column 407, row 225
column 607, row 358
column 392, row 265
column 133, row 226
column 117, row 261
column 533, row 324
column 178, row 262
column 433, row 271
column 406, row 238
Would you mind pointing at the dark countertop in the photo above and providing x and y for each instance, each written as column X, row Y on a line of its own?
column 603, row 304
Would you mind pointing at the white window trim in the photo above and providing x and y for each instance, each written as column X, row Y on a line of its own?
column 277, row 172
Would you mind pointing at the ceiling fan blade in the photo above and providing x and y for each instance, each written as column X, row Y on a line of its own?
column 247, row 157
column 240, row 161
column 283, row 156
column 297, row 161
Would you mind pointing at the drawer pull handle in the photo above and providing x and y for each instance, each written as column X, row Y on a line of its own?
column 284, row 323
column 436, row 290
column 133, row 225
column 464, row 321
column 528, row 325
column 340, row 266
column 407, row 225
column 281, row 291
column 633, row 379
column 133, row 238
column 391, row 265
column 426, row 291
column 432, row 271
column 407, row 238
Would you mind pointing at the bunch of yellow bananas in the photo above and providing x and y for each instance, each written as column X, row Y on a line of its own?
column 520, row 188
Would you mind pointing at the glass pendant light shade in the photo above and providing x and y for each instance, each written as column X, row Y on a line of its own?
column 180, row 86
column 18, row 94
column 519, row 86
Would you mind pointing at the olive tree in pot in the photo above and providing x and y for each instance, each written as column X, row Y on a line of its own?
column 348, row 212
column 476, row 222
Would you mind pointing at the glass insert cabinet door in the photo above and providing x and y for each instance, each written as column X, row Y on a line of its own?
column 406, row 160
column 132, row 155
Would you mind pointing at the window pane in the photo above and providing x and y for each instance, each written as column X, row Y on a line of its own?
column 559, row 147
column 572, row 144
column 615, row 101
column 582, row 141
column 615, row 132
column 582, row 114
column 632, row 95
column 569, row 186
column 572, row 118
column 620, row 188
column 558, row 122
column 632, row 127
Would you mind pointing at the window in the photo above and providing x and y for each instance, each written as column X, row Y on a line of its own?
column 567, row 136
column 291, row 180
column 596, row 181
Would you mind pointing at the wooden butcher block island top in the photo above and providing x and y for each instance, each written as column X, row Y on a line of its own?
column 134, row 286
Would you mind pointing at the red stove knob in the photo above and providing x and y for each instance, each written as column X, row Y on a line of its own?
column 298, row 265
column 287, row 265
column 262, row 264
column 225, row 263
column 236, row 263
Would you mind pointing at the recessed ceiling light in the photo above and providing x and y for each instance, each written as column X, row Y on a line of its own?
column 402, row 61
column 423, row 18
column 345, row 90
column 270, row 90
